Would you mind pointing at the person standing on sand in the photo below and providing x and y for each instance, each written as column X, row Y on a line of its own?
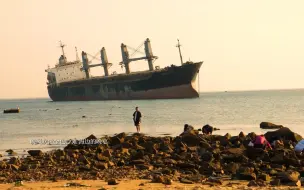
column 137, row 119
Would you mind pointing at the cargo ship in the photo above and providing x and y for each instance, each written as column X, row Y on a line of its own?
column 72, row 81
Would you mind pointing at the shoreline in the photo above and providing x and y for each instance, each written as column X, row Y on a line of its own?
column 189, row 159
column 127, row 184
column 21, row 147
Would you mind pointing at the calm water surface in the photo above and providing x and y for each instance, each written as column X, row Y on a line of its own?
column 232, row 112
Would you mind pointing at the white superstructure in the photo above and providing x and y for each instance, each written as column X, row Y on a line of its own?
column 68, row 72
column 65, row 71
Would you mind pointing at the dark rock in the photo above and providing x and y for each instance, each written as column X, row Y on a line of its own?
column 245, row 173
column 167, row 171
column 35, row 153
column 209, row 168
column 100, row 157
column 278, row 158
column 233, row 140
column 91, row 137
column 246, row 176
column 107, row 153
column 84, row 168
column 170, row 161
column 191, row 139
column 204, row 144
column 101, row 165
column 121, row 135
column 235, row 151
column 126, row 145
column 14, row 167
column 121, row 163
column 278, row 167
column 186, row 165
column 150, row 147
column 284, row 133
column 144, row 167
column 207, row 157
column 24, row 167
column 276, row 182
column 232, row 168
column 257, row 183
column 186, row 181
column 268, row 125
column 167, row 181
column 112, row 182
column 115, row 141
column 14, row 160
column 289, row 176
column 135, row 162
column 215, row 181
column 59, row 153
column 264, row 177
column 273, row 172
column 158, row 179
column 295, row 183
column 254, row 153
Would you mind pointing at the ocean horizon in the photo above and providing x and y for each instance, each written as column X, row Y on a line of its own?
column 200, row 92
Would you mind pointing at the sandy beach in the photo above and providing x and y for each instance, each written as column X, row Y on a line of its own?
column 135, row 185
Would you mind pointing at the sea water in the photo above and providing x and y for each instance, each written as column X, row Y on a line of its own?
column 55, row 123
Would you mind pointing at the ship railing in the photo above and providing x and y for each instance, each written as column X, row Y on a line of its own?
column 67, row 63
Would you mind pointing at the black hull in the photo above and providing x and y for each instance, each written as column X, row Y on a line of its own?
column 175, row 82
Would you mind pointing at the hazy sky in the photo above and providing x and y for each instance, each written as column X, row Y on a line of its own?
column 244, row 44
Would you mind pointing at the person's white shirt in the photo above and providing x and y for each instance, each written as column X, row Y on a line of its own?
column 300, row 146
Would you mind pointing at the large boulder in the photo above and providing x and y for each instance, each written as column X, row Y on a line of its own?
column 191, row 139
column 268, row 125
column 284, row 133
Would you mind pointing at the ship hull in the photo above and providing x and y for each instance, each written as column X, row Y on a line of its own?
column 170, row 83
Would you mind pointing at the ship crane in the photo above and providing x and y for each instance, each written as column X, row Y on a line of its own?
column 104, row 62
column 126, row 58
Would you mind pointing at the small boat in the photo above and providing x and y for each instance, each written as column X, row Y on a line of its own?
column 12, row 110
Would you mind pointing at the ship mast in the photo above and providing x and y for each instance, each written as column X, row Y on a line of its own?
column 77, row 58
column 62, row 59
column 180, row 54
column 62, row 46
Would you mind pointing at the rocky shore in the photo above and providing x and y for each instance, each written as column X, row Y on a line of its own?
column 191, row 158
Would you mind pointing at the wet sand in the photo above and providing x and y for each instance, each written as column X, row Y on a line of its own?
column 127, row 184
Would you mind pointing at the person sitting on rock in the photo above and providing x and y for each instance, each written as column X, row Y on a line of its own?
column 261, row 142
column 188, row 127
column 207, row 129
column 277, row 143
column 299, row 148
